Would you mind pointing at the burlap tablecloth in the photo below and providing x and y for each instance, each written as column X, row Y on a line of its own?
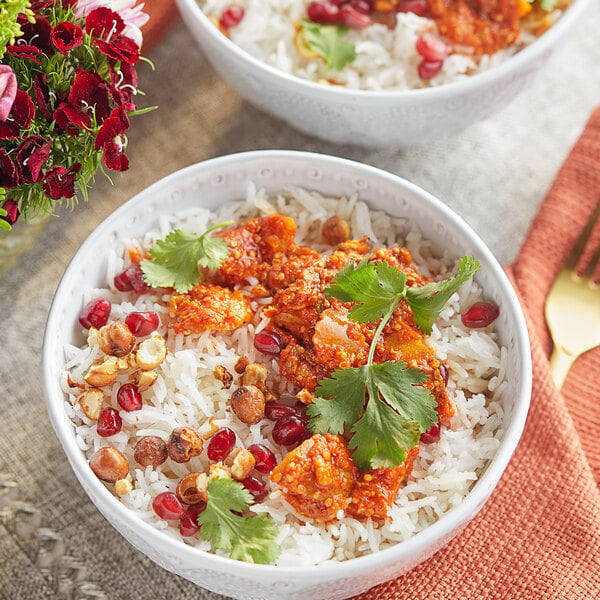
column 53, row 542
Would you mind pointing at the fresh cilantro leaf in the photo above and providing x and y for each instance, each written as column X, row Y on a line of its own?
column 250, row 539
column 374, row 286
column 340, row 401
column 177, row 258
column 329, row 42
column 549, row 5
column 427, row 301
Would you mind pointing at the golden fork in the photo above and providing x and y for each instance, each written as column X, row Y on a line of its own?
column 573, row 307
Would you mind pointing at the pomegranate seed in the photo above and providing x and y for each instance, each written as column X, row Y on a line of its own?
column 301, row 411
column 12, row 212
column 129, row 397
column 429, row 68
column 352, row 18
column 444, row 373
column 290, row 430
column 265, row 459
column 430, row 47
column 109, row 422
column 221, row 444
column 95, row 313
column 268, row 342
column 432, row 435
column 362, row 6
column 256, row 487
column 418, row 7
column 231, row 16
column 324, row 13
column 276, row 410
column 481, row 314
column 131, row 278
column 188, row 524
column 168, row 506
column 142, row 323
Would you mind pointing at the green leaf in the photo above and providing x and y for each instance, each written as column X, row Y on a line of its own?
column 427, row 301
column 341, row 400
column 373, row 285
column 250, row 539
column 177, row 258
column 549, row 5
column 329, row 42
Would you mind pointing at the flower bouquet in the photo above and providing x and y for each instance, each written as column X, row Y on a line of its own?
column 67, row 87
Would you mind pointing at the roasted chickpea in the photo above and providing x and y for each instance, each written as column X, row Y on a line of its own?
column 335, row 230
column 184, row 443
column 116, row 339
column 150, row 451
column 109, row 464
column 248, row 404
column 188, row 491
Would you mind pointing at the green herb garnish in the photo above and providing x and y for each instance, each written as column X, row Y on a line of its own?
column 250, row 539
column 178, row 258
column 329, row 42
column 383, row 405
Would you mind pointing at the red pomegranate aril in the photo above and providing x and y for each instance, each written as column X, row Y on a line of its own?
column 429, row 68
column 481, row 314
column 268, row 342
column 188, row 524
column 109, row 422
column 290, row 430
column 132, row 278
column 168, row 506
column 352, row 18
column 276, row 410
column 324, row 13
column 301, row 411
column 444, row 373
column 256, row 487
column 418, row 7
column 362, row 6
column 142, row 323
column 265, row 459
column 431, row 48
column 221, row 444
column 95, row 313
column 432, row 435
column 129, row 397
column 231, row 16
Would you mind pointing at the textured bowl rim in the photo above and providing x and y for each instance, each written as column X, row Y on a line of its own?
column 519, row 60
column 445, row 526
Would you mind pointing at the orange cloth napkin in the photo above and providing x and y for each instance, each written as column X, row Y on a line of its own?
column 538, row 537
column 163, row 15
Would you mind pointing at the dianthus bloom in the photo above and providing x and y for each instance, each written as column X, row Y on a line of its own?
column 8, row 91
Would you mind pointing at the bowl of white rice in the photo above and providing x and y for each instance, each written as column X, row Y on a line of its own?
column 384, row 96
column 488, row 379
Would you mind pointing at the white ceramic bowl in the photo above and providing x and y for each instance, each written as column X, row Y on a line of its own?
column 370, row 118
column 210, row 184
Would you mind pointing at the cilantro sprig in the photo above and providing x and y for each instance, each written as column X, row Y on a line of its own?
column 250, row 539
column 178, row 258
column 329, row 42
column 384, row 406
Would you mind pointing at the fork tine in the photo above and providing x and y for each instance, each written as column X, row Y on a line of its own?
column 578, row 247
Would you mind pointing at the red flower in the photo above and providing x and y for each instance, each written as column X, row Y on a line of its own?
column 110, row 139
column 20, row 116
column 68, row 118
column 32, row 153
column 22, row 51
column 38, row 34
column 8, row 172
column 66, row 36
column 60, row 182
column 119, row 48
column 42, row 96
column 102, row 23
column 12, row 212
column 124, row 85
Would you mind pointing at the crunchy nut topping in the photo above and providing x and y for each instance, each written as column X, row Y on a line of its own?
column 127, row 362
column 335, row 230
column 102, row 372
column 242, row 465
column 255, row 374
column 202, row 483
column 123, row 487
column 240, row 364
column 305, row 396
column 116, row 339
column 73, row 384
column 150, row 451
column 143, row 378
column 218, row 471
column 248, row 404
column 109, row 464
column 270, row 396
column 213, row 428
column 184, row 443
column 90, row 401
column 188, row 492
column 224, row 376
column 151, row 352
column 92, row 338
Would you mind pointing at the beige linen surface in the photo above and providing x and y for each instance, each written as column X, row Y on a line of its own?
column 53, row 542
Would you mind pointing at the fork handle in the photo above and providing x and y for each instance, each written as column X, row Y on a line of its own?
column 560, row 363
